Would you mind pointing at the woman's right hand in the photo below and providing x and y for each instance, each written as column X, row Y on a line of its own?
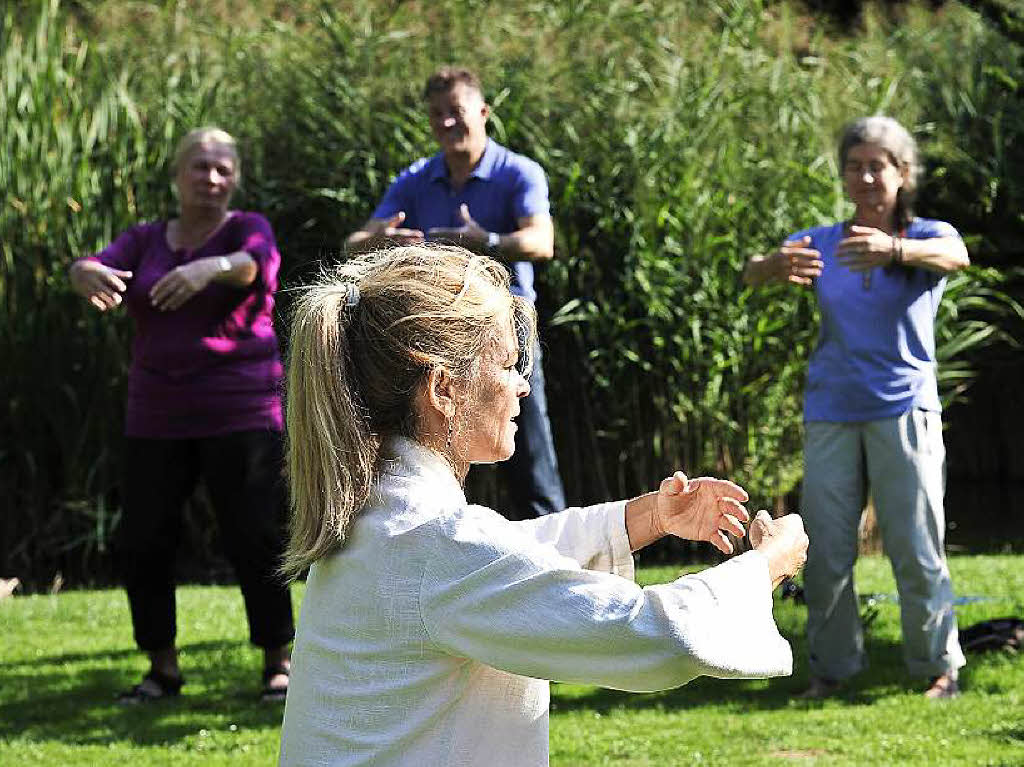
column 100, row 285
column 783, row 541
column 796, row 262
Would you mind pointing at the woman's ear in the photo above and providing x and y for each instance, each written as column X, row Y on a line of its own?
column 441, row 391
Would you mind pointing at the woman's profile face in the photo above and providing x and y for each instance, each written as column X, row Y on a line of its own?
column 871, row 178
column 488, row 432
column 207, row 176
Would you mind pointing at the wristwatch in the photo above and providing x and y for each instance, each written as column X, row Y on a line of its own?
column 493, row 239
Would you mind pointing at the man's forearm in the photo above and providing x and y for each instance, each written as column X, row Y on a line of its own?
column 525, row 245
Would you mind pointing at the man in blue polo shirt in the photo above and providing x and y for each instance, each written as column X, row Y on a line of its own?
column 480, row 195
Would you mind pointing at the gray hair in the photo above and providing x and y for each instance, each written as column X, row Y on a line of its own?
column 901, row 148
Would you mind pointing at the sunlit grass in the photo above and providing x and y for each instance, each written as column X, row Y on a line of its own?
column 64, row 657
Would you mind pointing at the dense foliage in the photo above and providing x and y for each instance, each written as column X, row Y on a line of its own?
column 679, row 137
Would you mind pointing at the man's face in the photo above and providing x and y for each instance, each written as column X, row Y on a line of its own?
column 458, row 118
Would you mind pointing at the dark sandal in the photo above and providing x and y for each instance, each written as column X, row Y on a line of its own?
column 163, row 686
column 274, row 694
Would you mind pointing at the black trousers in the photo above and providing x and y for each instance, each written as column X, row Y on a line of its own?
column 242, row 474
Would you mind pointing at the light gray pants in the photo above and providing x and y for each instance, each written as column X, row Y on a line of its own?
column 902, row 460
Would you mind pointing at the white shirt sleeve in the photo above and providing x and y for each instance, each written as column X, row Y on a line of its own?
column 593, row 536
column 498, row 597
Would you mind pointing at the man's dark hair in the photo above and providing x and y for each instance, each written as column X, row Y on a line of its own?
column 446, row 78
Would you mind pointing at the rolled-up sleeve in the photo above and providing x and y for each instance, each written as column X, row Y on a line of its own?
column 521, row 607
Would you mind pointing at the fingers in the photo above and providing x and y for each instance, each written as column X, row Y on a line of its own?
column 722, row 487
column 758, row 527
column 736, row 511
column 721, row 542
column 170, row 291
column 464, row 212
column 444, row 231
column 673, row 485
column 797, row 262
column 731, row 524
column 113, row 280
column 857, row 229
column 408, row 234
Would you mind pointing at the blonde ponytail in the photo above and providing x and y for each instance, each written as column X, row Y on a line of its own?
column 331, row 452
column 363, row 339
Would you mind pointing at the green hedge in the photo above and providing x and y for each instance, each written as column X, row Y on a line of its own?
column 679, row 137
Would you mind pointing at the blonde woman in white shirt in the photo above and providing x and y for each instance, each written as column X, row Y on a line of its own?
column 429, row 626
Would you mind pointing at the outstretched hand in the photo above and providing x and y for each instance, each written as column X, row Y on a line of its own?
column 796, row 262
column 865, row 248
column 100, row 285
column 393, row 230
column 470, row 233
column 783, row 541
column 181, row 283
column 701, row 509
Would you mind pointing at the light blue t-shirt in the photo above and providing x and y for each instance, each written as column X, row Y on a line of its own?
column 503, row 187
column 875, row 356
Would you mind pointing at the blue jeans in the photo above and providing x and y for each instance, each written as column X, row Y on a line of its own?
column 531, row 474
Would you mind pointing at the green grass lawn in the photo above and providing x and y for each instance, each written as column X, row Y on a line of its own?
column 63, row 658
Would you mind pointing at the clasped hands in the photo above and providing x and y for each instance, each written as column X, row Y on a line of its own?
column 709, row 509
column 470, row 233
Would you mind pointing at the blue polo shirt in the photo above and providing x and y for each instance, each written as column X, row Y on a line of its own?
column 875, row 356
column 503, row 187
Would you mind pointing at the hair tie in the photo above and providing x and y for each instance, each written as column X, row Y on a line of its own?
column 352, row 295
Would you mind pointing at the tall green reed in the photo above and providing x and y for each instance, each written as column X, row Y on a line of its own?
column 679, row 138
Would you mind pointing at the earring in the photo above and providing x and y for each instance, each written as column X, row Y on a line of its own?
column 451, row 428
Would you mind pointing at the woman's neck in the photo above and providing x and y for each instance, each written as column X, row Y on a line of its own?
column 195, row 224
column 876, row 219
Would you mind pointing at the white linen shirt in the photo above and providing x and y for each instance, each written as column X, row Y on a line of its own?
column 429, row 637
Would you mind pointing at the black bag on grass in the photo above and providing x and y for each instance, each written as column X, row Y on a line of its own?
column 994, row 634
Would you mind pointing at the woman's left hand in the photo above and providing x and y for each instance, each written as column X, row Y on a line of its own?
column 181, row 283
column 702, row 509
column 865, row 248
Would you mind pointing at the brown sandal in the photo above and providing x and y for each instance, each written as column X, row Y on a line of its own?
column 942, row 687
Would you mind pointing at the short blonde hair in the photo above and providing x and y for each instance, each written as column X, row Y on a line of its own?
column 206, row 135
column 363, row 339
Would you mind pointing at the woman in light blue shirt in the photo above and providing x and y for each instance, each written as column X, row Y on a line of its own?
column 871, row 409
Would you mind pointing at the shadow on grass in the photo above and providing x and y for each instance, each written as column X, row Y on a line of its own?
column 80, row 707
column 884, row 677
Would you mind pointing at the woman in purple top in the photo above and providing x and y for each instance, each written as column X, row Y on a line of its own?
column 871, row 409
column 203, row 400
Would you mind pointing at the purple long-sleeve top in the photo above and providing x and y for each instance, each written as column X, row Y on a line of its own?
column 212, row 366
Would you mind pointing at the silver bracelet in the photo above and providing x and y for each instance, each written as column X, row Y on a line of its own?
column 493, row 240
column 224, row 264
